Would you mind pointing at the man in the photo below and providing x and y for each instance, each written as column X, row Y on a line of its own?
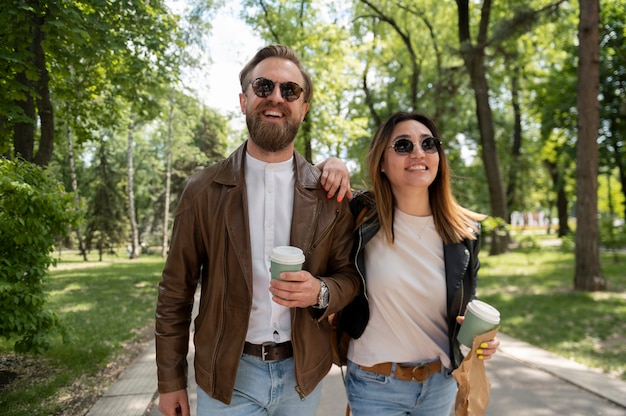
column 262, row 347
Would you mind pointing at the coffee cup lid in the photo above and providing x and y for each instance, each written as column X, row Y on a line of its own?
column 287, row 255
column 485, row 311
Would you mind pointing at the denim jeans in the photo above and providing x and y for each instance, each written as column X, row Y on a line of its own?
column 371, row 394
column 262, row 388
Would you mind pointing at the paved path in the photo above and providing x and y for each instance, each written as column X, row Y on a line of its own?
column 524, row 381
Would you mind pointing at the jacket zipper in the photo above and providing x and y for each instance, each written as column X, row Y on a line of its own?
column 294, row 311
column 221, row 330
column 356, row 262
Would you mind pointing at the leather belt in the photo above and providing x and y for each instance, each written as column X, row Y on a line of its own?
column 419, row 373
column 269, row 351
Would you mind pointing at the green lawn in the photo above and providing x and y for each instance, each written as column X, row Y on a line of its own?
column 108, row 309
column 534, row 293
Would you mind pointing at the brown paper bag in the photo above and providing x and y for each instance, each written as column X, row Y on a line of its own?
column 472, row 397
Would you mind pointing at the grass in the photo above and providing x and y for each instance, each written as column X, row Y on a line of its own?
column 534, row 293
column 108, row 309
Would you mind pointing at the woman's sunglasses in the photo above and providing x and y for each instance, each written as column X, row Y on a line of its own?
column 404, row 147
column 264, row 87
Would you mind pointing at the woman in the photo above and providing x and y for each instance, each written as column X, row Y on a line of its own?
column 416, row 249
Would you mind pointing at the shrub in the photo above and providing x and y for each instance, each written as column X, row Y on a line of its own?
column 34, row 209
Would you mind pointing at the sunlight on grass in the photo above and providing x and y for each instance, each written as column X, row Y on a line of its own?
column 81, row 307
column 105, row 306
column 102, row 306
column 538, row 305
column 66, row 290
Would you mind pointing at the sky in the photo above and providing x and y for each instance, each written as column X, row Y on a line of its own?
column 230, row 45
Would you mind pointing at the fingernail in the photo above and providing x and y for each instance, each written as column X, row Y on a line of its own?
column 484, row 345
column 480, row 357
column 328, row 196
column 479, row 352
column 339, row 199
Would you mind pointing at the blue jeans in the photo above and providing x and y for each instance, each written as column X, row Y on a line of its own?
column 262, row 388
column 371, row 394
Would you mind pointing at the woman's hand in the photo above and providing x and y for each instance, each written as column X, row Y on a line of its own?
column 335, row 178
column 487, row 349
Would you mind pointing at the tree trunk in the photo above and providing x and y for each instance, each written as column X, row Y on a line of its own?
column 512, row 196
column 24, row 132
column 44, row 104
column 168, row 181
column 134, row 252
column 562, row 212
column 70, row 153
column 561, row 197
column 473, row 57
column 588, row 274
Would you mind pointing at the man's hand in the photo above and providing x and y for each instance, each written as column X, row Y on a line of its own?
column 335, row 178
column 295, row 289
column 175, row 403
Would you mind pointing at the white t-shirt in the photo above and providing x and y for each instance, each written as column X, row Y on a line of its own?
column 270, row 190
column 406, row 287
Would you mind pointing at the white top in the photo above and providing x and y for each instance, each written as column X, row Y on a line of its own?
column 406, row 287
column 270, row 189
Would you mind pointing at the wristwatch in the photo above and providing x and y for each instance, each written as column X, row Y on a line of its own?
column 322, row 298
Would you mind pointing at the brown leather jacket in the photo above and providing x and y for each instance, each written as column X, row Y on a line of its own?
column 211, row 245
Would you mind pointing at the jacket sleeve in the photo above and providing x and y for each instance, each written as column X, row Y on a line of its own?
column 176, row 297
column 354, row 317
column 342, row 278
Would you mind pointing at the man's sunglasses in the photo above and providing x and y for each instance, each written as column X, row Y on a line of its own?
column 264, row 87
column 404, row 147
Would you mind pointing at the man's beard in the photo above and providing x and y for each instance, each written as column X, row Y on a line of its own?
column 271, row 137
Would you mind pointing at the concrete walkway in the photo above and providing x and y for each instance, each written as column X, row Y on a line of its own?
column 524, row 381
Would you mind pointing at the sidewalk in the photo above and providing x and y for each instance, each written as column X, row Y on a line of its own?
column 524, row 381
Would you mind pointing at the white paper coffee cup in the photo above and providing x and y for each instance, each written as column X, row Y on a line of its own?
column 480, row 317
column 285, row 259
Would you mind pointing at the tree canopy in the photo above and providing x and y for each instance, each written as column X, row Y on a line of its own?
column 92, row 90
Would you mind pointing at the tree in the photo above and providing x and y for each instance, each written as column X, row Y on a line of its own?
column 50, row 44
column 474, row 57
column 613, row 91
column 26, row 24
column 74, row 182
column 34, row 210
column 322, row 45
column 588, row 275
column 473, row 53
column 165, row 245
column 130, row 186
column 105, row 216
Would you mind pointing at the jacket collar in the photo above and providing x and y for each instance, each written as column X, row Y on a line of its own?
column 232, row 172
column 306, row 205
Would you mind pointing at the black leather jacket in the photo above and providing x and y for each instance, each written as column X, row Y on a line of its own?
column 461, row 265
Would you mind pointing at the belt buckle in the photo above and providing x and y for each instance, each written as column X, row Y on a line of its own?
column 264, row 352
column 423, row 372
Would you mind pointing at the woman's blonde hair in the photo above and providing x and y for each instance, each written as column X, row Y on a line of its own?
column 453, row 222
